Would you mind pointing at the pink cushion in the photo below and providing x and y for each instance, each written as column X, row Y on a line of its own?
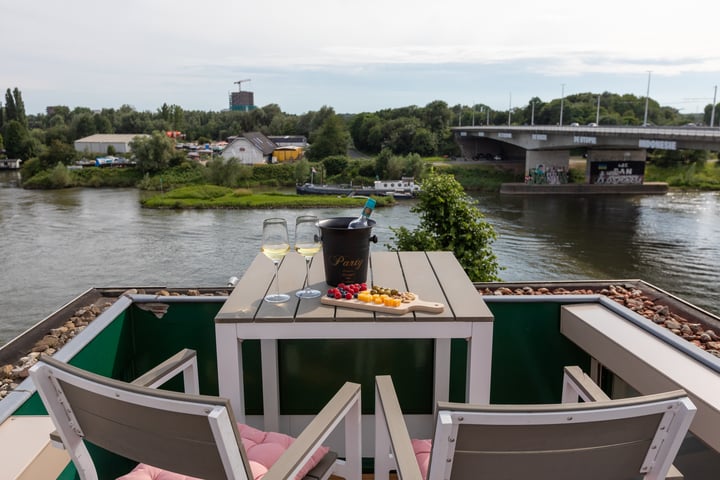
column 262, row 448
column 422, row 454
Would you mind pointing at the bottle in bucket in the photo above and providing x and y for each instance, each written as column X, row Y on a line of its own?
column 362, row 220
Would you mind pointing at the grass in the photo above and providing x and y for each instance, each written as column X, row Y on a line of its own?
column 686, row 177
column 211, row 196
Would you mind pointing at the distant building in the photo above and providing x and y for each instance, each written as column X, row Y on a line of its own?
column 242, row 101
column 10, row 163
column 100, row 142
column 250, row 148
column 289, row 140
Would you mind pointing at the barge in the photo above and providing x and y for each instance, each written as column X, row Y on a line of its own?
column 405, row 188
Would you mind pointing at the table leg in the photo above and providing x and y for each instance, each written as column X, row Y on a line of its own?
column 270, row 385
column 230, row 368
column 479, row 366
column 441, row 392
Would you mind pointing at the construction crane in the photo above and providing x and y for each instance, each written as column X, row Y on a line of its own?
column 240, row 82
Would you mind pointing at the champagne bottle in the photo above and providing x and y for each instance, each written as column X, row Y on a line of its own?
column 362, row 220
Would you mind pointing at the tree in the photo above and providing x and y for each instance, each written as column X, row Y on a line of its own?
column 332, row 138
column 450, row 221
column 18, row 143
column 20, row 107
column 58, row 153
column 10, row 110
column 152, row 153
column 14, row 107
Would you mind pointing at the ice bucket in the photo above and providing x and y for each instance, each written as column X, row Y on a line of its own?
column 346, row 251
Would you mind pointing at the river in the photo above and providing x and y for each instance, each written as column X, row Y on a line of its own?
column 58, row 243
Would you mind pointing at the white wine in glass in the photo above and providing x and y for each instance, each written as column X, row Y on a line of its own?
column 275, row 245
column 307, row 244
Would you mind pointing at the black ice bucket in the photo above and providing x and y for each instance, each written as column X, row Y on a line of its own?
column 346, row 251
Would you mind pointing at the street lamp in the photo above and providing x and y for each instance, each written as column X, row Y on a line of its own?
column 712, row 115
column 532, row 114
column 509, row 108
column 562, row 102
column 647, row 99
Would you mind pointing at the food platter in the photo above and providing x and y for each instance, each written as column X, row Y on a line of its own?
column 415, row 305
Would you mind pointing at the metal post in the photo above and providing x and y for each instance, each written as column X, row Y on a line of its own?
column 647, row 99
column 562, row 102
column 509, row 109
column 597, row 113
column 532, row 114
column 712, row 115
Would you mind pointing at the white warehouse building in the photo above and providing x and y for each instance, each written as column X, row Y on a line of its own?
column 100, row 142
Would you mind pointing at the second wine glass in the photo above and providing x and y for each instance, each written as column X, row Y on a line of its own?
column 307, row 244
column 275, row 245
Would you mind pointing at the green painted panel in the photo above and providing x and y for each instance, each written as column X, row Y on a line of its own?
column 184, row 325
column 529, row 353
column 311, row 371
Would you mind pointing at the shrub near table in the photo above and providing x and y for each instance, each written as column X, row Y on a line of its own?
column 450, row 221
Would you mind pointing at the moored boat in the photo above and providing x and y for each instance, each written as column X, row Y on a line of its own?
column 121, row 333
column 405, row 188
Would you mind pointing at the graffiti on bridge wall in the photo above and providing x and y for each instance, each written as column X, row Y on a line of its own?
column 550, row 175
column 617, row 172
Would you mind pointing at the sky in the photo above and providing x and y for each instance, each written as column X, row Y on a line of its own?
column 355, row 56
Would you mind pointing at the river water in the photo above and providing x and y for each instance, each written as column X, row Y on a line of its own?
column 58, row 243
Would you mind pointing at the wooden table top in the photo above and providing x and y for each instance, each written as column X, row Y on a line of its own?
column 433, row 276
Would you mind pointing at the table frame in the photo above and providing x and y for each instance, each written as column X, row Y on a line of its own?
column 246, row 317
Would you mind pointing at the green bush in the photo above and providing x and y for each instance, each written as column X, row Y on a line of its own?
column 450, row 221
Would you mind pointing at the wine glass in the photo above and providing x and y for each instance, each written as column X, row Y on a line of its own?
column 307, row 244
column 275, row 245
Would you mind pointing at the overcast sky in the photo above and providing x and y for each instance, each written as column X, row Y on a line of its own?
column 355, row 56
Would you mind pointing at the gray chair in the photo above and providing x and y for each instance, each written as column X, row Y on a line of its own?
column 617, row 439
column 189, row 434
column 577, row 385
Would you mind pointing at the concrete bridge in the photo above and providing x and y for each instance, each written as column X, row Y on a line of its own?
column 615, row 155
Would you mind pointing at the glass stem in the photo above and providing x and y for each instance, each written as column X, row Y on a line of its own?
column 307, row 274
column 277, row 277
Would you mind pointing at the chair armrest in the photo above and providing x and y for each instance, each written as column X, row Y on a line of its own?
column 345, row 405
column 184, row 361
column 390, row 425
column 576, row 384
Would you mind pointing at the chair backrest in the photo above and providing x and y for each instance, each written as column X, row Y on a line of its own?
column 195, row 435
column 618, row 439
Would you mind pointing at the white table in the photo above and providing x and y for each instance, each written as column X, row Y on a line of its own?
column 434, row 276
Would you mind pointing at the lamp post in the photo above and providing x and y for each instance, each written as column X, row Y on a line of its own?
column 532, row 113
column 647, row 100
column 712, row 115
column 562, row 102
column 509, row 109
column 597, row 112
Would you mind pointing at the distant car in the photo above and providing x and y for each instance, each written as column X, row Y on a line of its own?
column 574, row 124
column 592, row 124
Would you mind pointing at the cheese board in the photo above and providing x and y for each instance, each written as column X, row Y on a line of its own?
column 415, row 305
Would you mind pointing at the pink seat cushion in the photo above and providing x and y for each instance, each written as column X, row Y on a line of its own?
column 422, row 450
column 262, row 448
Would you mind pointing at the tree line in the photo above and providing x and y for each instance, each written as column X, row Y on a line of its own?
column 423, row 130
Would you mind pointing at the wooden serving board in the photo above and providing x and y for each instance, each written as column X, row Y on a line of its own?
column 416, row 305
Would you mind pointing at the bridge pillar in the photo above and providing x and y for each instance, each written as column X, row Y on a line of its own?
column 559, row 159
column 615, row 166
